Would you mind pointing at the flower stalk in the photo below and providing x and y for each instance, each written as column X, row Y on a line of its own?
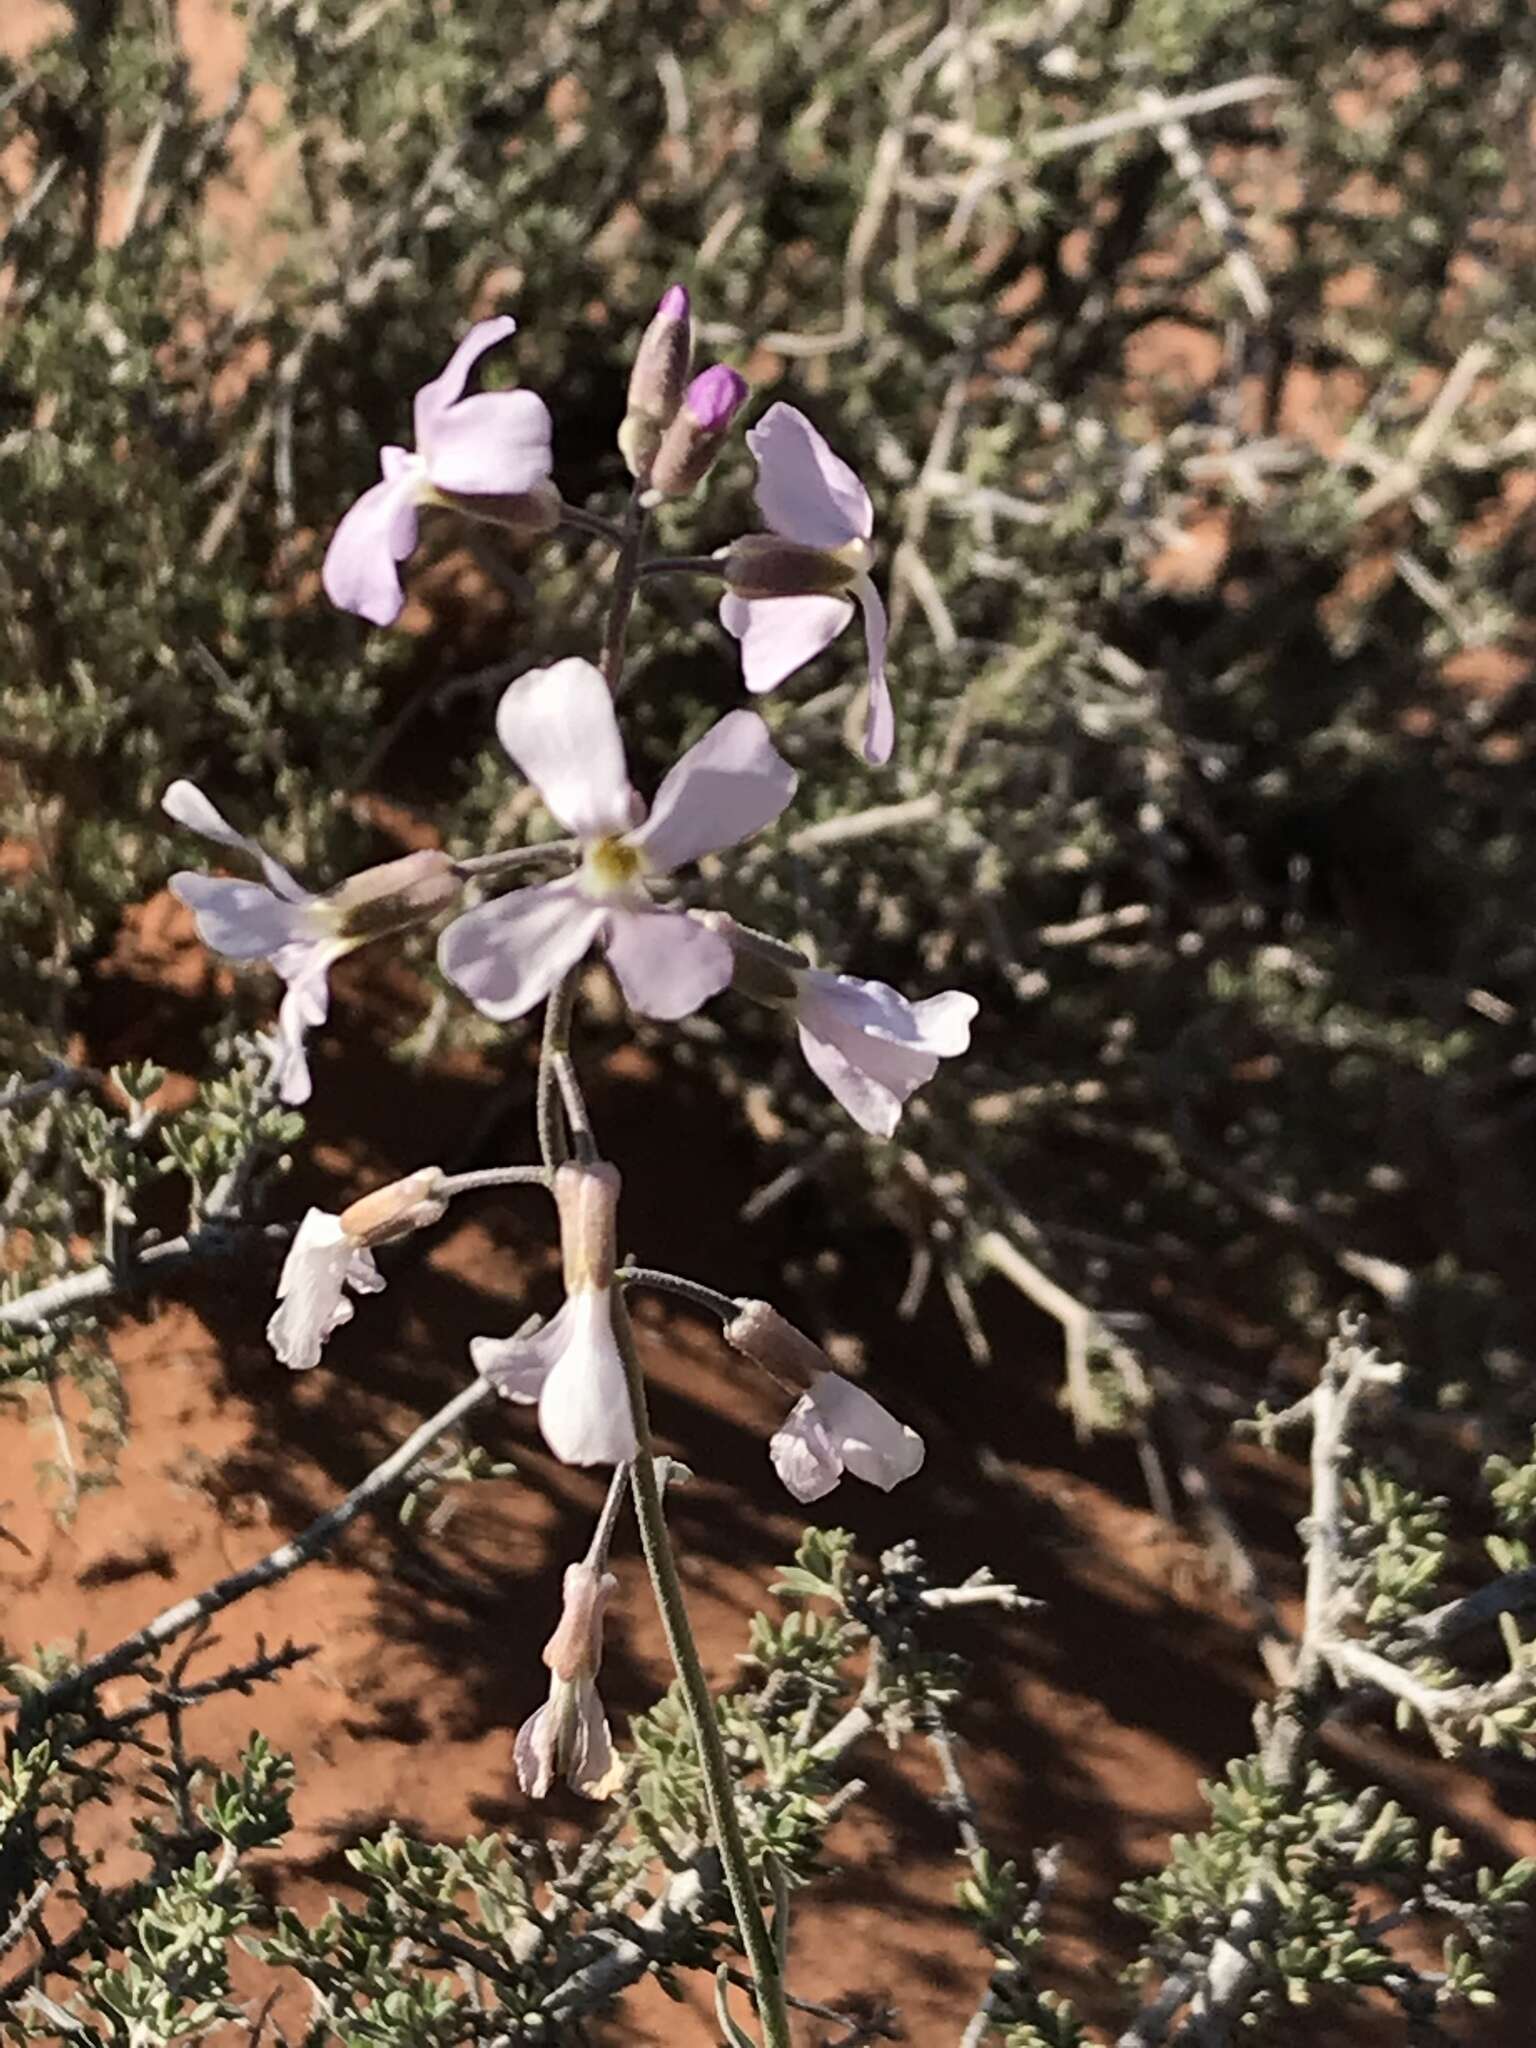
column 719, row 1788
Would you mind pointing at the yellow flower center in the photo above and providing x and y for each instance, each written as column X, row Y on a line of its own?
column 612, row 867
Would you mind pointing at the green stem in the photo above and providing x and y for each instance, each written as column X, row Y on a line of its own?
column 554, row 1148
column 720, row 1792
column 626, row 581
column 683, row 565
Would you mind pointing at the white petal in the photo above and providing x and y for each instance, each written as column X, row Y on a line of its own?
column 728, row 785
column 803, row 1454
column 311, row 1303
column 497, row 444
column 880, row 717
column 186, row 803
column 667, row 963
column 780, row 634
column 241, row 920
column 584, row 1408
column 872, row 1047
column 872, row 1444
column 558, row 725
column 533, row 1753
column 303, row 1009
column 434, row 399
column 592, row 1770
column 517, row 1367
column 375, row 534
column 805, row 491
column 507, row 955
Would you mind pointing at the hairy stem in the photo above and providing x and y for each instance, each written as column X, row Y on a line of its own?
column 554, row 1146
column 719, row 1788
column 626, row 581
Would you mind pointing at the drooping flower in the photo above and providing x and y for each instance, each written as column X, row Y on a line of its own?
column 791, row 591
column 871, row 1046
column 332, row 1253
column 698, row 431
column 299, row 934
column 558, row 725
column 572, row 1367
column 568, row 1736
column 834, row 1427
column 488, row 455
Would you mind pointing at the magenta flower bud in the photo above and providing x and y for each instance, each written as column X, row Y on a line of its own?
column 657, row 381
column 690, row 445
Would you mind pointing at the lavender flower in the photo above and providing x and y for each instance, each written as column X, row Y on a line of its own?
column 786, row 605
column 300, row 935
column 488, row 455
column 871, row 1046
column 558, row 725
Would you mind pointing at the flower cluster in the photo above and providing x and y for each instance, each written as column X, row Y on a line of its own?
column 789, row 591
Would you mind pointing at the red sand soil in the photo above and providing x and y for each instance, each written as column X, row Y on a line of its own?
column 1089, row 1725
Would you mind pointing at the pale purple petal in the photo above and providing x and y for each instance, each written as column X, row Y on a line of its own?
column 311, row 1303
column 185, row 802
column 363, row 1276
column 359, row 572
column 872, row 1047
column 727, row 786
column 780, row 634
column 302, row 1010
column 507, row 955
column 880, row 718
column 497, row 443
column 667, row 963
column 871, row 1443
column 534, row 1752
column 803, row 1454
column 805, row 491
column 434, row 399
column 590, row 1770
column 584, row 1408
column 517, row 1367
column 558, row 725
column 241, row 920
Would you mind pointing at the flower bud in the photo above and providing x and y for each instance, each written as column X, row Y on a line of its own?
column 575, row 1650
column 525, row 513
column 696, row 436
column 657, row 381
column 762, row 565
column 396, row 1210
column 393, row 896
column 587, row 1197
column 760, row 1333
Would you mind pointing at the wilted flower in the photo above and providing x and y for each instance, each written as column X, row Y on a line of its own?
column 786, row 599
column 834, row 1427
column 698, row 432
column 558, row 725
column 656, row 382
column 300, row 935
column 568, row 1737
column 871, row 1046
column 488, row 455
column 573, row 1367
column 331, row 1253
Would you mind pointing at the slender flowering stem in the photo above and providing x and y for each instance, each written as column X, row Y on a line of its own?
column 494, row 1177
column 516, row 856
column 597, row 1550
column 720, row 1791
column 709, row 1298
column 626, row 581
column 682, row 565
column 576, row 1113
column 554, row 1148
column 592, row 523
